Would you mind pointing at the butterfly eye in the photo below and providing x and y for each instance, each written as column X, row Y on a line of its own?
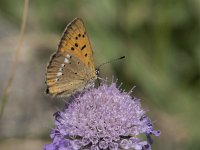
column 97, row 71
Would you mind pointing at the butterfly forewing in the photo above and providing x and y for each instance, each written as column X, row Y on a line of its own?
column 76, row 41
column 71, row 68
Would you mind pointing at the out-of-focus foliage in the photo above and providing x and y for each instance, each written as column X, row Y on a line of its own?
column 161, row 42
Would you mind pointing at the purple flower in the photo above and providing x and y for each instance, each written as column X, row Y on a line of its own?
column 102, row 118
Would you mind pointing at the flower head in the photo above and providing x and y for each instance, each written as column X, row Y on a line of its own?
column 102, row 118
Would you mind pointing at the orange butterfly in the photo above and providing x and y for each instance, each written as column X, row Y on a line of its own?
column 71, row 68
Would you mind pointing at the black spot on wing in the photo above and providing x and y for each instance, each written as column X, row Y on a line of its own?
column 84, row 46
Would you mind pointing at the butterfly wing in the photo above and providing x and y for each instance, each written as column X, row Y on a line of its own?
column 76, row 41
column 71, row 68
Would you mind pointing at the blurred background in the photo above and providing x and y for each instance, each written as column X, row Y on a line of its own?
column 161, row 42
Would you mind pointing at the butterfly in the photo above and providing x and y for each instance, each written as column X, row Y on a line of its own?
column 71, row 68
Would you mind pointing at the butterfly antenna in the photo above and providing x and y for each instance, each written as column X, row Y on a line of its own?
column 116, row 59
column 98, row 68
